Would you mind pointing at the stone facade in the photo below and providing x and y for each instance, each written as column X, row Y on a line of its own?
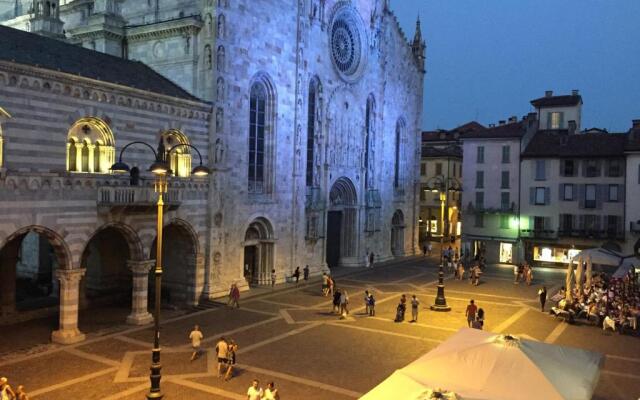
column 336, row 92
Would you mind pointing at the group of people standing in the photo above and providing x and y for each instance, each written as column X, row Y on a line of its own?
column 474, row 272
column 255, row 392
column 523, row 272
column 402, row 308
column 7, row 393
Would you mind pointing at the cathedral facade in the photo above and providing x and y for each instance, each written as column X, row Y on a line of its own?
column 308, row 113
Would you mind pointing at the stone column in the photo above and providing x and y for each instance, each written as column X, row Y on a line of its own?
column 78, row 156
column 140, row 272
column 91, row 158
column 68, row 331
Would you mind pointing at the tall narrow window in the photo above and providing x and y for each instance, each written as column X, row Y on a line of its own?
column 505, row 154
column 257, row 110
column 480, row 155
column 368, row 131
column 311, row 130
column 396, row 168
column 479, row 179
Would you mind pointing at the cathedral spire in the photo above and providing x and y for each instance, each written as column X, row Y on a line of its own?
column 418, row 46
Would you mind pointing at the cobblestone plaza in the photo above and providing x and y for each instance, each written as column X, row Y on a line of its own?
column 290, row 336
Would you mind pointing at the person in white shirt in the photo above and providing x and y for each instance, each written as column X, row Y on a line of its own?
column 222, row 348
column 271, row 393
column 254, row 392
column 196, row 337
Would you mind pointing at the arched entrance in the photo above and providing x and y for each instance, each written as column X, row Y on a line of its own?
column 46, row 274
column 258, row 252
column 108, row 281
column 179, row 250
column 341, row 223
column 397, row 233
column 27, row 273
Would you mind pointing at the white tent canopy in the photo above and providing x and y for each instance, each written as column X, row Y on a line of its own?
column 479, row 365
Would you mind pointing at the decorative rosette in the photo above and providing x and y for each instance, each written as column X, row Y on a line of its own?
column 438, row 394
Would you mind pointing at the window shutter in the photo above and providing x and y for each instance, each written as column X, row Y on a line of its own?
column 547, row 223
column 575, row 192
column 532, row 195
column 561, row 226
column 602, row 195
column 584, row 167
column 621, row 197
column 598, row 167
column 561, row 191
column 581, row 196
column 561, row 122
column 574, row 222
column 561, row 173
column 547, row 196
column 548, row 120
column 596, row 222
column 581, row 222
column 532, row 222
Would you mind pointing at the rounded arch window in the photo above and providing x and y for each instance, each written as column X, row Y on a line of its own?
column 347, row 41
column 180, row 158
column 90, row 146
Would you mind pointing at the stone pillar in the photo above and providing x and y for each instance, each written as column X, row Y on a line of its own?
column 78, row 156
column 91, row 158
column 68, row 331
column 140, row 272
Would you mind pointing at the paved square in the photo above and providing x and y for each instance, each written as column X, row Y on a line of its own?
column 290, row 336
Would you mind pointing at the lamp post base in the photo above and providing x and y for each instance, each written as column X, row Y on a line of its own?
column 441, row 301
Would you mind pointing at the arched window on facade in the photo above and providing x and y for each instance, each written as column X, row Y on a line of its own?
column 220, row 59
column 180, row 158
column 368, row 142
column 207, row 57
column 90, row 146
column 397, row 173
column 261, row 131
column 312, row 127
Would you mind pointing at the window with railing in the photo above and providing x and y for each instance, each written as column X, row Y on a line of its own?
column 567, row 168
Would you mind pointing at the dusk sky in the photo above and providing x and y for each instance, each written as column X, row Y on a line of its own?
column 487, row 59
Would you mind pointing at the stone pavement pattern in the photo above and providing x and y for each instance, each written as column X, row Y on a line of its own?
column 291, row 337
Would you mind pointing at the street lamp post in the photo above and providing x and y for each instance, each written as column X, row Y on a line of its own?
column 441, row 185
column 160, row 170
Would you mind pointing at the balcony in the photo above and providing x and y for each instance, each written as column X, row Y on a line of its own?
column 609, row 234
column 502, row 209
column 539, row 233
column 136, row 198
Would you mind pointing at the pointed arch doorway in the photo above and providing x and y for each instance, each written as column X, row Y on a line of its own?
column 342, row 223
column 397, row 233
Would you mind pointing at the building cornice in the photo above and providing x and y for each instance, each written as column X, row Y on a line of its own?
column 91, row 89
column 177, row 27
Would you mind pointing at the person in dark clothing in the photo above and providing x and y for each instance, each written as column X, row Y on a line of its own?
column 305, row 272
column 542, row 293
column 336, row 300
column 134, row 174
column 296, row 274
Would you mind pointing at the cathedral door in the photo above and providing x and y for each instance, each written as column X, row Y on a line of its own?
column 250, row 264
column 334, row 228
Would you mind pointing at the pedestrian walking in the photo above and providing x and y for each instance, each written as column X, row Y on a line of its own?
column 400, row 310
column 235, row 296
column 196, row 338
column 222, row 350
column 415, row 303
column 271, row 393
column 528, row 273
column 479, row 322
column 371, row 257
column 470, row 313
column 460, row 270
column 6, row 393
column 332, row 285
column 21, row 394
column 424, row 250
column 429, row 248
column 366, row 260
column 255, row 392
column 273, row 278
column 325, row 284
column 230, row 301
column 366, row 302
column 542, row 294
column 336, row 301
column 344, row 304
column 231, row 358
column 305, row 272
column 296, row 274
column 372, row 305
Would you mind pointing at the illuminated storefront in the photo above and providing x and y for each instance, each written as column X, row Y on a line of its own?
column 506, row 252
column 553, row 254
